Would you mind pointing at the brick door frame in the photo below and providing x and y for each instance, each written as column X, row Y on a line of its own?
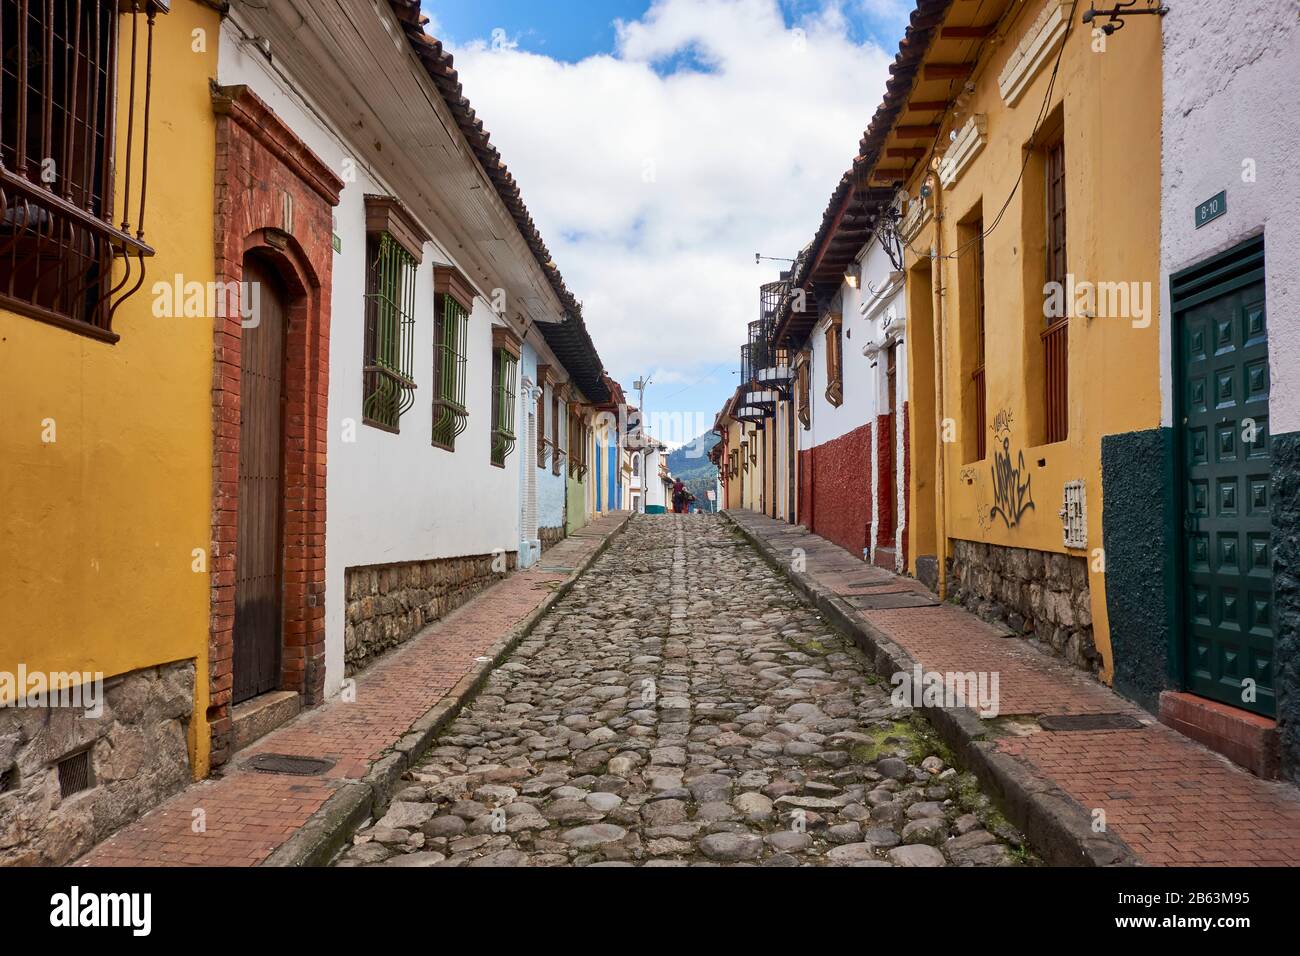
column 274, row 200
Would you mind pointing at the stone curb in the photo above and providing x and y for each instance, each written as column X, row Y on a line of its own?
column 1056, row 825
column 325, row 832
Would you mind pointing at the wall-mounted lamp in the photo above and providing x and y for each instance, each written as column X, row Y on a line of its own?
column 853, row 275
column 1115, row 15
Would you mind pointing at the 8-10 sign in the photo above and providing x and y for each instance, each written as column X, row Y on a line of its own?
column 1212, row 208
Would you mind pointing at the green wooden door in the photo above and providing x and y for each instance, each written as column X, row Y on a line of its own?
column 1227, row 583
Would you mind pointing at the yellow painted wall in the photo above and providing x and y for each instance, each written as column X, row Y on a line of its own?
column 101, row 523
column 1111, row 109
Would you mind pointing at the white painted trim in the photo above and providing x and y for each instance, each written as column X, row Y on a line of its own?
column 1034, row 50
column 884, row 298
column 970, row 140
column 917, row 215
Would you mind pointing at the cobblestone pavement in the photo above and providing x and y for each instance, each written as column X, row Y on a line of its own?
column 683, row 706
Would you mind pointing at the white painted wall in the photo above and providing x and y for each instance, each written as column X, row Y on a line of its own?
column 390, row 498
column 1232, row 95
column 873, row 312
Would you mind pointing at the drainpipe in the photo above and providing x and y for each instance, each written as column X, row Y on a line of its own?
column 940, row 366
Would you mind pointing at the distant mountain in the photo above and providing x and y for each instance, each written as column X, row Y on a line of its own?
column 691, row 464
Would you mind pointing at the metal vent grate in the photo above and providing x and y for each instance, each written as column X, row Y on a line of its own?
column 1074, row 516
column 74, row 773
column 1079, row 722
column 290, row 764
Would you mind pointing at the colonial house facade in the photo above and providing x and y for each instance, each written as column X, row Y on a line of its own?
column 1054, row 397
column 1206, row 612
column 107, row 362
column 337, row 323
column 441, row 371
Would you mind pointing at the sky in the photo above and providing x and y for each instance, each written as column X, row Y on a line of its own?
column 660, row 144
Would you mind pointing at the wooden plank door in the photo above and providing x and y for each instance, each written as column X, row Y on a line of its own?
column 258, row 559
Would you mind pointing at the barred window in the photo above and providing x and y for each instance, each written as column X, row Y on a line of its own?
column 505, row 367
column 835, row 361
column 451, row 329
column 72, row 204
column 389, row 389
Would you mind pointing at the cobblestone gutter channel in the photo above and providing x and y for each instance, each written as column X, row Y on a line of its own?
column 1059, row 829
column 683, row 705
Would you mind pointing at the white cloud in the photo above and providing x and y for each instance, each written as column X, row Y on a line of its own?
column 655, row 183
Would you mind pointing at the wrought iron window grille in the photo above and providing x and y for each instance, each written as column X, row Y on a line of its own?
column 389, row 384
column 450, row 415
column 73, row 197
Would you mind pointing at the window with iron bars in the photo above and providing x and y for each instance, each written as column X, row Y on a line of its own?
column 543, row 443
column 1056, row 336
column 557, row 451
column 389, row 389
column 504, row 370
column 577, row 448
column 72, row 203
column 451, row 329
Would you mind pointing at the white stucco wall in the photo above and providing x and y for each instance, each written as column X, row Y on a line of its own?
column 390, row 498
column 1232, row 101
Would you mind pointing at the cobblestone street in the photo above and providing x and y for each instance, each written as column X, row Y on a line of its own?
column 683, row 706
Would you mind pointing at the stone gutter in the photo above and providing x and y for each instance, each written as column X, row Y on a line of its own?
column 1057, row 827
column 317, row 841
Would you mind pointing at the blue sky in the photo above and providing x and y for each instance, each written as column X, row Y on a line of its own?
column 570, row 30
column 659, row 145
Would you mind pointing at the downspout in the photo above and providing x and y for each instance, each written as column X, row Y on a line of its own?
column 940, row 362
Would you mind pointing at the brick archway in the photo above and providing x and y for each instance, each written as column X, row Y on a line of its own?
column 274, row 200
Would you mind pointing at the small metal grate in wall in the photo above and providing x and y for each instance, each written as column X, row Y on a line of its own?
column 1074, row 516
column 74, row 773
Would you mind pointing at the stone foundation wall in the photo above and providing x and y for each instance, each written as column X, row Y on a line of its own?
column 1043, row 595
column 389, row 604
column 138, row 757
column 550, row 537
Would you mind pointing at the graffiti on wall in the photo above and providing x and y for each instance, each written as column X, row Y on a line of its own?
column 1012, row 495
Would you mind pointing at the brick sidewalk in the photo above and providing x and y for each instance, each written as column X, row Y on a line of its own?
column 248, row 814
column 1173, row 801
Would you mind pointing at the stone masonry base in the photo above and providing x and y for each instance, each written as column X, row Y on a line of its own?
column 387, row 604
column 1039, row 594
column 138, row 756
column 550, row 537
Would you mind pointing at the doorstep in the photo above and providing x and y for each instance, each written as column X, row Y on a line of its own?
column 259, row 716
column 1248, row 740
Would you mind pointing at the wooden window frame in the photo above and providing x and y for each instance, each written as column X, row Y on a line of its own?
column 979, row 382
column 803, row 388
column 1056, row 336
column 835, row 360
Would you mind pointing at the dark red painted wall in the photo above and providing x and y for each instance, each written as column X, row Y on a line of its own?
column 885, row 462
column 835, row 496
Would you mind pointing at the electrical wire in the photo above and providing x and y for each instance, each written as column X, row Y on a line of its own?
column 1038, row 122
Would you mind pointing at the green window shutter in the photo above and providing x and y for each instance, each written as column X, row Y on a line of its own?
column 450, row 416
